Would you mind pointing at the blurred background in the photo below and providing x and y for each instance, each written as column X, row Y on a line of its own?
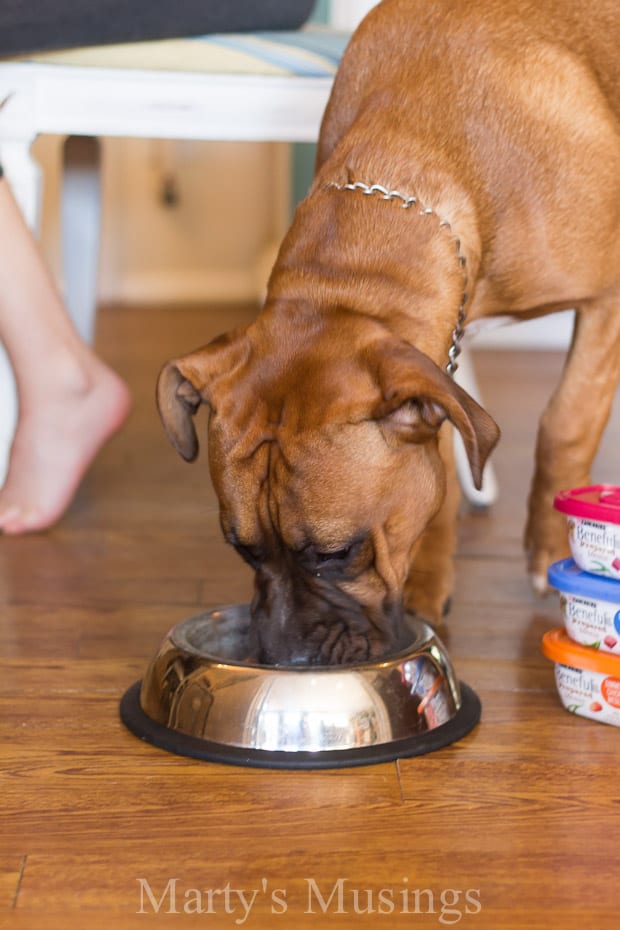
column 201, row 222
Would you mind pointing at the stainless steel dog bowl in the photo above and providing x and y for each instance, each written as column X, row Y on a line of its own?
column 204, row 696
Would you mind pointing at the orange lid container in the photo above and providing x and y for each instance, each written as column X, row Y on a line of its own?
column 559, row 647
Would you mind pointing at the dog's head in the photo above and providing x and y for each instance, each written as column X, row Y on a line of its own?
column 323, row 454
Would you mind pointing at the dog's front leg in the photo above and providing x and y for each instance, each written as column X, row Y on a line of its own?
column 571, row 428
column 430, row 583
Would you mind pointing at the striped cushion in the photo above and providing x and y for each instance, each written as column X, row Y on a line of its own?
column 314, row 51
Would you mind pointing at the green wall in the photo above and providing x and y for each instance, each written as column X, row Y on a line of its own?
column 304, row 152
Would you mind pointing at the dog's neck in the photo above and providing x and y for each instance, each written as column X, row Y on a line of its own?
column 384, row 253
column 411, row 202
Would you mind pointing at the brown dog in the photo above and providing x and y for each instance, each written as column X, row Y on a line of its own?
column 468, row 166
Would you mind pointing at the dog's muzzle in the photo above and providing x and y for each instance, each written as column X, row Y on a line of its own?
column 310, row 621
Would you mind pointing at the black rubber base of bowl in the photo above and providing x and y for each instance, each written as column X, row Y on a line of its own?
column 159, row 735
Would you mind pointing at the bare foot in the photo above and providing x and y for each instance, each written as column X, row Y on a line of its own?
column 58, row 435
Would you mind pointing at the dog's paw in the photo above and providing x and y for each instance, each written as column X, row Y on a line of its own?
column 539, row 583
column 428, row 602
column 546, row 542
column 538, row 562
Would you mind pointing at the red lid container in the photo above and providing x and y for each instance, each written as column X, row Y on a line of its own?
column 598, row 502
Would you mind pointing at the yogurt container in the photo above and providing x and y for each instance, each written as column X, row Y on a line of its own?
column 588, row 681
column 590, row 606
column 593, row 517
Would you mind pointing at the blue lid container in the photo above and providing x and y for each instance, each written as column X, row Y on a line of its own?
column 567, row 576
column 590, row 606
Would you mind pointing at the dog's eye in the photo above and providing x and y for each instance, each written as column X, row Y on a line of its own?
column 338, row 556
column 336, row 563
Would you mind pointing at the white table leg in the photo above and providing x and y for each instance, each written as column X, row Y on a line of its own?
column 80, row 218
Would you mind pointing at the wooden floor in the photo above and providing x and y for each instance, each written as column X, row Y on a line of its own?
column 516, row 826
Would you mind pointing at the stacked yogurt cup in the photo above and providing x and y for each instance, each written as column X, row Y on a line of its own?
column 586, row 651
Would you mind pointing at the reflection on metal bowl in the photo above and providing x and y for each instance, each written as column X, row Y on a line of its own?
column 204, row 696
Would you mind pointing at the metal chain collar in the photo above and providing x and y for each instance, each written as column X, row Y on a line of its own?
column 408, row 202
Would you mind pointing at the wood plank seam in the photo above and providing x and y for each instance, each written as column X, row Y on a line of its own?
column 20, row 879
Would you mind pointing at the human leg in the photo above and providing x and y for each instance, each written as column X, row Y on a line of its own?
column 70, row 402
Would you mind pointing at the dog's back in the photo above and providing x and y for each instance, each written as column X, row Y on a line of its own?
column 505, row 116
column 447, row 42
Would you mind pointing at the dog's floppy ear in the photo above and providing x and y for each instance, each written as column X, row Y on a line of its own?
column 417, row 396
column 187, row 382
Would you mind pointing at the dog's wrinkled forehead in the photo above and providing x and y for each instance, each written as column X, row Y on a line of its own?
column 295, row 467
column 298, row 392
column 315, row 414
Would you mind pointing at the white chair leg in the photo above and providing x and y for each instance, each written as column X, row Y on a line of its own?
column 8, row 412
column 80, row 218
column 24, row 175
column 487, row 495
